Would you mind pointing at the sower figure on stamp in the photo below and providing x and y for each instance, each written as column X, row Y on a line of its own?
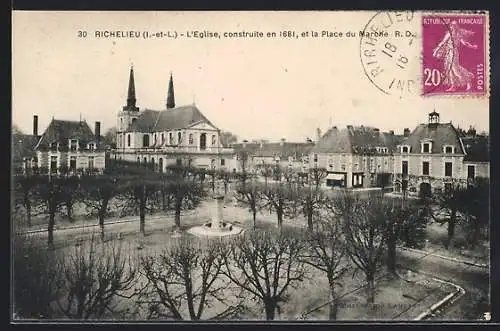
column 448, row 50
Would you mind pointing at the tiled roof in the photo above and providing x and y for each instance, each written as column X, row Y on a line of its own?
column 169, row 119
column 23, row 146
column 477, row 148
column 356, row 139
column 61, row 131
column 283, row 150
column 441, row 134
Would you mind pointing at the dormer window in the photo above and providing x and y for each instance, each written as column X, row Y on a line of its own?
column 449, row 149
column 425, row 148
column 54, row 145
column 405, row 149
column 73, row 144
column 91, row 146
column 214, row 139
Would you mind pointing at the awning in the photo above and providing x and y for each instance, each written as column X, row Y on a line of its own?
column 335, row 177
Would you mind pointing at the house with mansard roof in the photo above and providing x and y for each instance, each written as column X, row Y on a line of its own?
column 355, row 156
column 63, row 145
column 435, row 155
column 69, row 145
column 176, row 134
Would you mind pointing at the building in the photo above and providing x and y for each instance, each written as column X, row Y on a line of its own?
column 23, row 148
column 287, row 155
column 174, row 135
column 356, row 156
column 69, row 145
column 435, row 155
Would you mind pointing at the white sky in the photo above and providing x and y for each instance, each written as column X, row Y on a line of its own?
column 255, row 88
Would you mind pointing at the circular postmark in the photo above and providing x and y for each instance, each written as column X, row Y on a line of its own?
column 391, row 52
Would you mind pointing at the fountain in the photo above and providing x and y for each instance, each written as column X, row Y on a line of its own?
column 217, row 227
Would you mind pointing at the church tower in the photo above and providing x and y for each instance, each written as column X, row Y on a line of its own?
column 129, row 113
column 170, row 95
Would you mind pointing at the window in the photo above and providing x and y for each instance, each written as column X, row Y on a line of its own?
column 138, row 160
column 404, row 167
column 191, row 140
column 160, row 164
column 425, row 148
column 54, row 145
column 145, row 140
column 425, row 168
column 404, row 149
column 222, row 162
column 128, row 140
column 73, row 144
column 471, row 172
column 179, row 138
column 213, row 140
column 145, row 161
column 35, row 162
column 448, row 149
column 53, row 164
column 448, row 169
column 162, row 138
column 91, row 162
column 72, row 163
column 91, row 146
column 154, row 139
column 178, row 162
column 171, row 138
column 315, row 157
column 203, row 141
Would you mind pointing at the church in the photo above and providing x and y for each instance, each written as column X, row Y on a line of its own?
column 173, row 135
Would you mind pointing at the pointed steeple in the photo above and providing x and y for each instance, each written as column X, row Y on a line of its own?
column 170, row 95
column 131, row 100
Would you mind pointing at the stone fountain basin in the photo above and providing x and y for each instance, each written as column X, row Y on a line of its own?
column 205, row 231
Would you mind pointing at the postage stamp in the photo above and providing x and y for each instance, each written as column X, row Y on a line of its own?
column 454, row 54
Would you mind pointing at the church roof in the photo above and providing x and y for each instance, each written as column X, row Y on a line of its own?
column 356, row 140
column 170, row 119
column 61, row 131
column 440, row 134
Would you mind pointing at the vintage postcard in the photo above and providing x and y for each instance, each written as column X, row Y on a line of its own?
column 242, row 166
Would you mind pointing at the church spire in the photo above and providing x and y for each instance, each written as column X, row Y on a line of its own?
column 131, row 100
column 170, row 95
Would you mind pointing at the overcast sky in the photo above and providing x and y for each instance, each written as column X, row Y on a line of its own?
column 255, row 88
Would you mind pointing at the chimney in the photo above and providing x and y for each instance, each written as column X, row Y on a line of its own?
column 282, row 141
column 375, row 129
column 391, row 132
column 244, row 143
column 406, row 132
column 97, row 131
column 35, row 125
column 318, row 134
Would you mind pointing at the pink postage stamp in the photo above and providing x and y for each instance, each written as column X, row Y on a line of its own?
column 455, row 54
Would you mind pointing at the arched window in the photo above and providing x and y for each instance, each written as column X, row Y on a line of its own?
column 179, row 138
column 170, row 138
column 153, row 163
column 191, row 140
column 138, row 160
column 160, row 164
column 145, row 140
column 214, row 140
column 203, row 141
column 162, row 138
column 128, row 140
column 145, row 160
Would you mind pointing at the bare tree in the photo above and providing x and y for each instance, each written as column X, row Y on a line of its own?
column 266, row 265
column 35, row 276
column 93, row 278
column 98, row 192
column 364, row 225
column 450, row 202
column 24, row 192
column 250, row 195
column 309, row 199
column 327, row 251
column 186, row 279
column 52, row 192
column 317, row 175
column 476, row 207
column 277, row 197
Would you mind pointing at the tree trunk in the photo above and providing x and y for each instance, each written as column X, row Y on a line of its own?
column 333, row 306
column 279, row 212
column 451, row 229
column 101, row 224
column 254, row 214
column 391, row 254
column 50, row 228
column 163, row 200
column 27, row 204
column 370, row 288
column 178, row 207
column 310, row 219
column 69, row 208
column 142, row 219
column 270, row 307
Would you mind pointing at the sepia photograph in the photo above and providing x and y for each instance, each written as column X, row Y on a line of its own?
column 312, row 166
